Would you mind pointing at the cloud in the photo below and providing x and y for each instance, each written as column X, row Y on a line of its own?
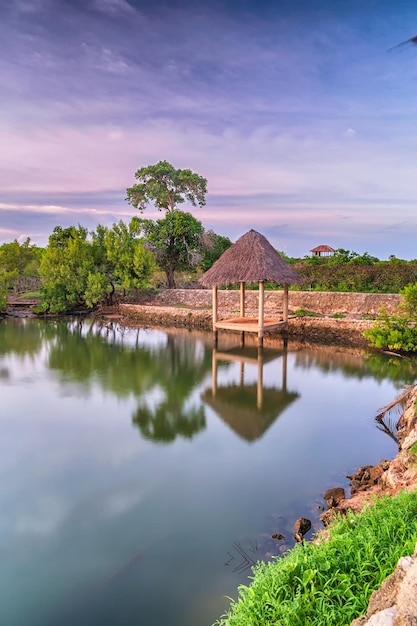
column 114, row 7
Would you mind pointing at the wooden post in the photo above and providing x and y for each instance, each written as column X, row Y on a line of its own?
column 261, row 315
column 214, row 307
column 285, row 305
column 242, row 299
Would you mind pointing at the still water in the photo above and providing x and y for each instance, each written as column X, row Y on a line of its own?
column 141, row 474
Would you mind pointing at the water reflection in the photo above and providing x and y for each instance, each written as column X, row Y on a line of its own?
column 159, row 370
column 359, row 365
column 96, row 519
column 249, row 409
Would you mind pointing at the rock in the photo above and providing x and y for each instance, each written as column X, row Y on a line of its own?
column 329, row 516
column 334, row 496
column 278, row 536
column 301, row 526
column 367, row 476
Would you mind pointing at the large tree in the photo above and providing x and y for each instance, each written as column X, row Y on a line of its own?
column 166, row 187
column 175, row 241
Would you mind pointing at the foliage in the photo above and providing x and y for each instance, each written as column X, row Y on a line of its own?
column 122, row 257
column 409, row 303
column 175, row 240
column 397, row 332
column 306, row 313
column 329, row 583
column 213, row 246
column 66, row 265
column 354, row 275
column 76, row 271
column 3, row 296
column 19, row 265
column 166, row 187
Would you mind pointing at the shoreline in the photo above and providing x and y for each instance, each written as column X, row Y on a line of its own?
column 325, row 330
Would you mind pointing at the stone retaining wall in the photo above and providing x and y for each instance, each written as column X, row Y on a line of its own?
column 343, row 332
column 326, row 303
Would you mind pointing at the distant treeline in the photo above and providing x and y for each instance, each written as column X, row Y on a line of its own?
column 376, row 277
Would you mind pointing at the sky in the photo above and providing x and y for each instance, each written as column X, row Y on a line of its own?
column 301, row 115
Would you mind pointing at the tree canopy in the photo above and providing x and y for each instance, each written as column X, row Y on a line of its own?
column 175, row 240
column 78, row 271
column 166, row 187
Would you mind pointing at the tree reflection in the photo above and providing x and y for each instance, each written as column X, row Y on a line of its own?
column 165, row 423
column 173, row 369
column 378, row 366
column 24, row 337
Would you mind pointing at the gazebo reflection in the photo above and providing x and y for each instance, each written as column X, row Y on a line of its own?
column 249, row 409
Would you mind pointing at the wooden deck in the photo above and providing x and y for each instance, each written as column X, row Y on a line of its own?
column 250, row 324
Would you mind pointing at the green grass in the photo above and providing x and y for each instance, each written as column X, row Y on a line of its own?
column 329, row 583
column 413, row 452
column 306, row 313
column 338, row 316
column 30, row 294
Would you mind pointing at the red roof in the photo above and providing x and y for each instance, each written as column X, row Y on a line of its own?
column 322, row 249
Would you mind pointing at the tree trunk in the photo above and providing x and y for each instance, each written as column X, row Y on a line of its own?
column 169, row 272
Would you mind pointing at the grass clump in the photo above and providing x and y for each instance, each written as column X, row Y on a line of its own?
column 307, row 313
column 329, row 583
column 413, row 453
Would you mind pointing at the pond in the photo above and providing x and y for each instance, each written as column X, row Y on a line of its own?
column 142, row 473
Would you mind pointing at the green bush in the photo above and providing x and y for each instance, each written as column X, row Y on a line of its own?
column 398, row 332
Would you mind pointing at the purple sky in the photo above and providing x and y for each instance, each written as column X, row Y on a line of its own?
column 296, row 113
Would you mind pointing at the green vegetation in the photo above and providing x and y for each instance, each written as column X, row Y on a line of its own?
column 19, row 264
column 329, row 583
column 397, row 332
column 78, row 271
column 413, row 453
column 175, row 241
column 306, row 313
column 351, row 272
column 166, row 187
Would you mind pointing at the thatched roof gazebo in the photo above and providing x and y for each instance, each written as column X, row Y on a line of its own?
column 250, row 259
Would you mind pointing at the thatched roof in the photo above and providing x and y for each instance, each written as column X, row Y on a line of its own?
column 250, row 259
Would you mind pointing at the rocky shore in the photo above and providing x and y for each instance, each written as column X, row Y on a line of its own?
column 395, row 603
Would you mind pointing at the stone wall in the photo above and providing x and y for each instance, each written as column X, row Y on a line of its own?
column 325, row 303
column 323, row 330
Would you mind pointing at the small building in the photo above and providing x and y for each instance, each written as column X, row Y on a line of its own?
column 322, row 251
